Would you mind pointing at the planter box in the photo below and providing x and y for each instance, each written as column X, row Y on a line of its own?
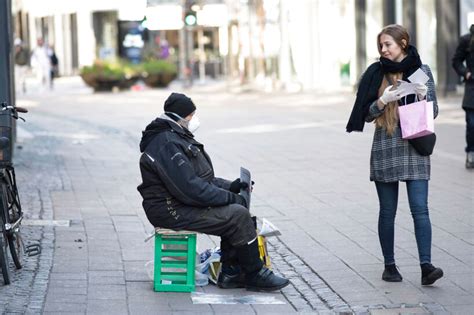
column 106, row 84
column 159, row 80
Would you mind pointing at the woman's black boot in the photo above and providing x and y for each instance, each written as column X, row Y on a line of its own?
column 429, row 274
column 391, row 274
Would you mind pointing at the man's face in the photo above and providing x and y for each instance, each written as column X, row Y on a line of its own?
column 189, row 117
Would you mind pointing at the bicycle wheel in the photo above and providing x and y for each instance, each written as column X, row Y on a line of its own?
column 4, row 260
column 14, row 216
column 16, row 248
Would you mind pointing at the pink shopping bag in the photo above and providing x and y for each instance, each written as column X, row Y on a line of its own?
column 416, row 119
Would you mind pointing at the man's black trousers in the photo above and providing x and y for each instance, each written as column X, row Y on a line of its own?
column 236, row 228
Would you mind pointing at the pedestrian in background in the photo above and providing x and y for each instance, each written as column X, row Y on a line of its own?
column 54, row 72
column 465, row 53
column 22, row 57
column 41, row 63
column 394, row 159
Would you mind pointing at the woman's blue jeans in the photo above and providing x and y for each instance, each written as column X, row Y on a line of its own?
column 418, row 200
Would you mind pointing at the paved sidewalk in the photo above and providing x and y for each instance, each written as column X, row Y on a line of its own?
column 81, row 151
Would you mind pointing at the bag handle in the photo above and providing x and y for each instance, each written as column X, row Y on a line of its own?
column 417, row 99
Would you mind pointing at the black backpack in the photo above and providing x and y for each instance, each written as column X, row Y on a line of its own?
column 54, row 59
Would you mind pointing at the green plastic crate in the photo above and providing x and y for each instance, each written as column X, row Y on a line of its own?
column 175, row 261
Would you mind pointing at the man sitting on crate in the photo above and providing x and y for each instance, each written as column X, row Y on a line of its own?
column 180, row 192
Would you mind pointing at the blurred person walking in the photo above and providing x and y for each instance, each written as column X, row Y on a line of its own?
column 22, row 57
column 394, row 159
column 465, row 53
column 54, row 72
column 41, row 63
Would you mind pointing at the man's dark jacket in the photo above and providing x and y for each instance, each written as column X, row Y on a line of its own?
column 178, row 177
column 464, row 53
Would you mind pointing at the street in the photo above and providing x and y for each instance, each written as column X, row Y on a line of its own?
column 77, row 160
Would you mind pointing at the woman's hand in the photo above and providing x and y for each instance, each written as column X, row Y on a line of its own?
column 393, row 94
column 421, row 90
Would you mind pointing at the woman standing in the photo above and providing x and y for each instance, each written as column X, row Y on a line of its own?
column 394, row 159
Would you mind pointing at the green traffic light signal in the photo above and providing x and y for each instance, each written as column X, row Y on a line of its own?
column 190, row 18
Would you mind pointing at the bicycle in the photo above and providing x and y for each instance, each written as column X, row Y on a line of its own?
column 11, row 213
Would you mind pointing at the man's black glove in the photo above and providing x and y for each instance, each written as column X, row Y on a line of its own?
column 236, row 186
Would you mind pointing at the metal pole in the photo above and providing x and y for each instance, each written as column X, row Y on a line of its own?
column 409, row 19
column 446, row 40
column 182, row 47
column 6, row 53
column 190, row 52
column 251, row 68
column 361, row 28
column 388, row 12
column 202, row 56
column 7, row 86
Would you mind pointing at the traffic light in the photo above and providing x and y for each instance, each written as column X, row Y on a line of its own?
column 190, row 18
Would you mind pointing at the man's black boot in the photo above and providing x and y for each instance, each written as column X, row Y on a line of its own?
column 231, row 277
column 391, row 274
column 429, row 274
column 258, row 277
column 265, row 280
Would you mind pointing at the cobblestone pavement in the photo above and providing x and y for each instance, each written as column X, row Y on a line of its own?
column 37, row 174
column 79, row 163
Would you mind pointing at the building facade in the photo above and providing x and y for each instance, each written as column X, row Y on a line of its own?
column 269, row 44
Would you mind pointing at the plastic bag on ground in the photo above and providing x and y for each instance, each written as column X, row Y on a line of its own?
column 209, row 266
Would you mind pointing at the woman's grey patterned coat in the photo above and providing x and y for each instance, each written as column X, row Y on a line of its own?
column 393, row 158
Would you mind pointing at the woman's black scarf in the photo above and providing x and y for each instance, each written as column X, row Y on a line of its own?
column 369, row 84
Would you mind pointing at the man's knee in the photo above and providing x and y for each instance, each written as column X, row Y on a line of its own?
column 239, row 213
column 243, row 230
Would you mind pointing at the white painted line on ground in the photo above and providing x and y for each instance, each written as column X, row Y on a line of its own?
column 63, row 223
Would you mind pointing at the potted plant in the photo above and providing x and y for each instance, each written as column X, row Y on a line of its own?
column 104, row 75
column 158, row 72
column 131, row 74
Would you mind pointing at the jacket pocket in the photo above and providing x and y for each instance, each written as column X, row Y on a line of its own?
column 200, row 164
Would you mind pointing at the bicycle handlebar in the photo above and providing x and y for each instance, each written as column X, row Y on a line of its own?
column 21, row 109
column 14, row 110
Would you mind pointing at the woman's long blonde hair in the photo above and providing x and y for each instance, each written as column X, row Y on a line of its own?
column 389, row 118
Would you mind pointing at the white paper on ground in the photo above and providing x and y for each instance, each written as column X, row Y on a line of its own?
column 268, row 229
column 206, row 298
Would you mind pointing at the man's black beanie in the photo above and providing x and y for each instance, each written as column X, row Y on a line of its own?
column 179, row 104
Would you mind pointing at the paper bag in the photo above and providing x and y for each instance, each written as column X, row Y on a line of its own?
column 416, row 119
